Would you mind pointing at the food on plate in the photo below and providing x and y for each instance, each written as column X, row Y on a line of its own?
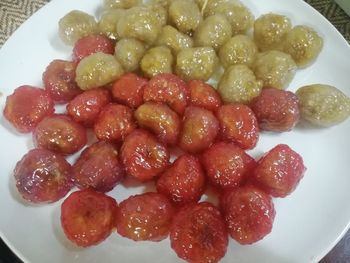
column 323, row 105
column 275, row 68
column 124, row 4
column 59, row 81
column 196, row 63
column 140, row 22
column 174, row 39
column 43, row 176
column 227, row 165
column 128, row 90
column 238, row 124
column 270, row 30
column 27, row 106
column 184, row 182
column 249, row 214
column 98, row 167
column 157, row 60
column 88, row 217
column 239, row 49
column 276, row 110
column 85, row 107
column 160, row 11
column 198, row 233
column 185, row 15
column 129, row 52
column 91, row 44
column 75, row 25
column 143, row 156
column 304, row 44
column 199, row 129
column 160, row 119
column 279, row 171
column 114, row 123
column 109, row 19
column 167, row 88
column 239, row 85
column 203, row 95
column 213, row 32
column 145, row 217
column 60, row 134
column 97, row 70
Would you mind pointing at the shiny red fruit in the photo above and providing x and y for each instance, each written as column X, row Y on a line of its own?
column 203, row 95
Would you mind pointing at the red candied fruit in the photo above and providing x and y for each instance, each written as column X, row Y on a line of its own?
column 276, row 110
column 203, row 95
column 238, row 124
column 167, row 88
column 128, row 90
column 59, row 81
column 98, row 167
column 184, row 181
column 249, row 214
column 198, row 234
column 145, row 217
column 114, row 123
column 85, row 107
column 88, row 217
column 159, row 119
column 279, row 171
column 143, row 156
column 59, row 133
column 227, row 165
column 91, row 44
column 27, row 106
column 42, row 176
column 199, row 129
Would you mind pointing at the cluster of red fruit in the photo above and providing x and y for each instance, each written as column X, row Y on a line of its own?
column 138, row 124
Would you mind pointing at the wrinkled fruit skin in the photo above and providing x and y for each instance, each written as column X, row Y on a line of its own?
column 59, row 133
column 249, row 214
column 88, row 217
column 238, row 124
column 143, row 156
column 184, row 181
column 276, row 110
column 159, row 119
column 198, row 233
column 199, row 129
column 167, row 88
column 227, row 165
column 42, row 176
column 27, row 106
column 145, row 217
column 203, row 95
column 279, row 171
column 85, row 107
column 98, row 167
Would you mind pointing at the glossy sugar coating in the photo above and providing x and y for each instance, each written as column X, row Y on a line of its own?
column 140, row 22
column 76, row 24
column 323, row 105
column 163, row 3
column 97, row 70
column 203, row 95
column 174, row 39
column 239, row 85
column 304, row 44
column 160, row 11
column 129, row 52
column 157, row 60
column 206, row 6
column 185, row 15
column 108, row 22
column 275, row 68
column 270, row 30
column 124, row 4
column 196, row 63
column 213, row 32
column 239, row 49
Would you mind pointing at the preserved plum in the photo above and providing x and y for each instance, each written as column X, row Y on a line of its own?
column 157, row 60
column 129, row 52
column 203, row 95
column 174, row 39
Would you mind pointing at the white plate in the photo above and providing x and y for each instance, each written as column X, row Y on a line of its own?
column 308, row 223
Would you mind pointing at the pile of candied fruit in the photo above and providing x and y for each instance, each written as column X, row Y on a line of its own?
column 138, row 80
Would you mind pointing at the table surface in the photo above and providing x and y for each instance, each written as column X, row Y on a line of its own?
column 14, row 13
